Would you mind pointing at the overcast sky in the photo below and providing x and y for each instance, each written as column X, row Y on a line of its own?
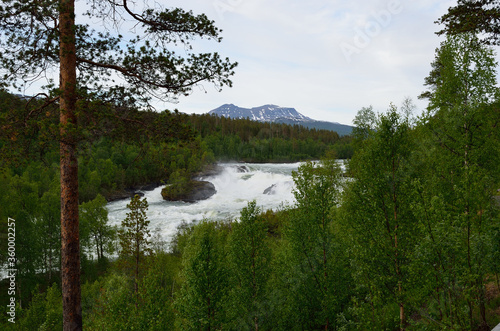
column 327, row 59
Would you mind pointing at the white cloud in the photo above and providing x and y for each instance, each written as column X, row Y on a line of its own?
column 290, row 53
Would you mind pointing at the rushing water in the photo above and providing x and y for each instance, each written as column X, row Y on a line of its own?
column 236, row 185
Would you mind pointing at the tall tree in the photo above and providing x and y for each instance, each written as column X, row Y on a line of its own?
column 461, row 125
column 95, row 228
column 364, row 123
column 134, row 236
column 379, row 221
column 70, row 250
column 203, row 296
column 37, row 38
column 313, row 260
column 250, row 257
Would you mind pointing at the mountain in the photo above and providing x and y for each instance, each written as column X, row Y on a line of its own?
column 266, row 113
column 276, row 114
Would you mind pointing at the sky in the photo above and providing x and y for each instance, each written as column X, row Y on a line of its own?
column 325, row 58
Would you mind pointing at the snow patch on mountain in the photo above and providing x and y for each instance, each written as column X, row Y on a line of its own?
column 277, row 114
column 266, row 113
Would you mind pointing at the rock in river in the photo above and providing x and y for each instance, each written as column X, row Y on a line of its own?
column 193, row 191
column 270, row 190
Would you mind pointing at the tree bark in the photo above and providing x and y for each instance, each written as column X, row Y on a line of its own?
column 70, row 247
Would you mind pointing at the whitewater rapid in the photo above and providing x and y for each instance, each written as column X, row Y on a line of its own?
column 236, row 185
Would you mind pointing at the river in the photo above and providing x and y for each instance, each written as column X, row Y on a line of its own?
column 236, row 185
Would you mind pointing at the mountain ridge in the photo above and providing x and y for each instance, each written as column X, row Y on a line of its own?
column 278, row 114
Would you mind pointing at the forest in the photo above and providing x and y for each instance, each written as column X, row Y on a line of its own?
column 110, row 165
column 407, row 238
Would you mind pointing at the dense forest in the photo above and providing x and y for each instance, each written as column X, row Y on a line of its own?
column 407, row 238
column 410, row 240
column 251, row 141
column 111, row 165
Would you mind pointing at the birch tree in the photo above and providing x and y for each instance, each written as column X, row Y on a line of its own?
column 380, row 224
column 456, row 205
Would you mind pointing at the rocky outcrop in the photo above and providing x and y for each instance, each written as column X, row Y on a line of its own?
column 242, row 169
column 193, row 191
column 201, row 190
column 270, row 190
column 210, row 171
column 131, row 192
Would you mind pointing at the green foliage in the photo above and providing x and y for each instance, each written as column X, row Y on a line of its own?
column 251, row 141
column 156, row 311
column 143, row 62
column 311, row 288
column 478, row 17
column 379, row 223
column 107, row 304
column 250, row 258
column 458, row 216
column 466, row 76
column 115, row 166
column 181, row 238
column 95, row 232
column 180, row 185
column 44, row 311
column 364, row 123
column 202, row 299
column 134, row 232
column 30, row 197
column 134, row 242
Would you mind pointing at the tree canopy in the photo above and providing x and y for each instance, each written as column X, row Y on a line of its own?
column 476, row 16
column 142, row 57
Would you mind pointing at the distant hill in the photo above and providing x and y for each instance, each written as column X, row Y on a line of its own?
column 277, row 114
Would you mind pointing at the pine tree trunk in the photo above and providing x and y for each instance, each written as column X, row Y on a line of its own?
column 70, row 247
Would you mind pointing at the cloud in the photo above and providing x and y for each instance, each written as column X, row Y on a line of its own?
column 290, row 54
column 325, row 58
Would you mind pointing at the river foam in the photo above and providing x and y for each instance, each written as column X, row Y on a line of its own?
column 236, row 185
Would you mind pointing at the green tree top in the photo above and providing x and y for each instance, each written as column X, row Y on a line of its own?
column 134, row 233
column 463, row 75
column 134, row 237
column 476, row 16
column 364, row 123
